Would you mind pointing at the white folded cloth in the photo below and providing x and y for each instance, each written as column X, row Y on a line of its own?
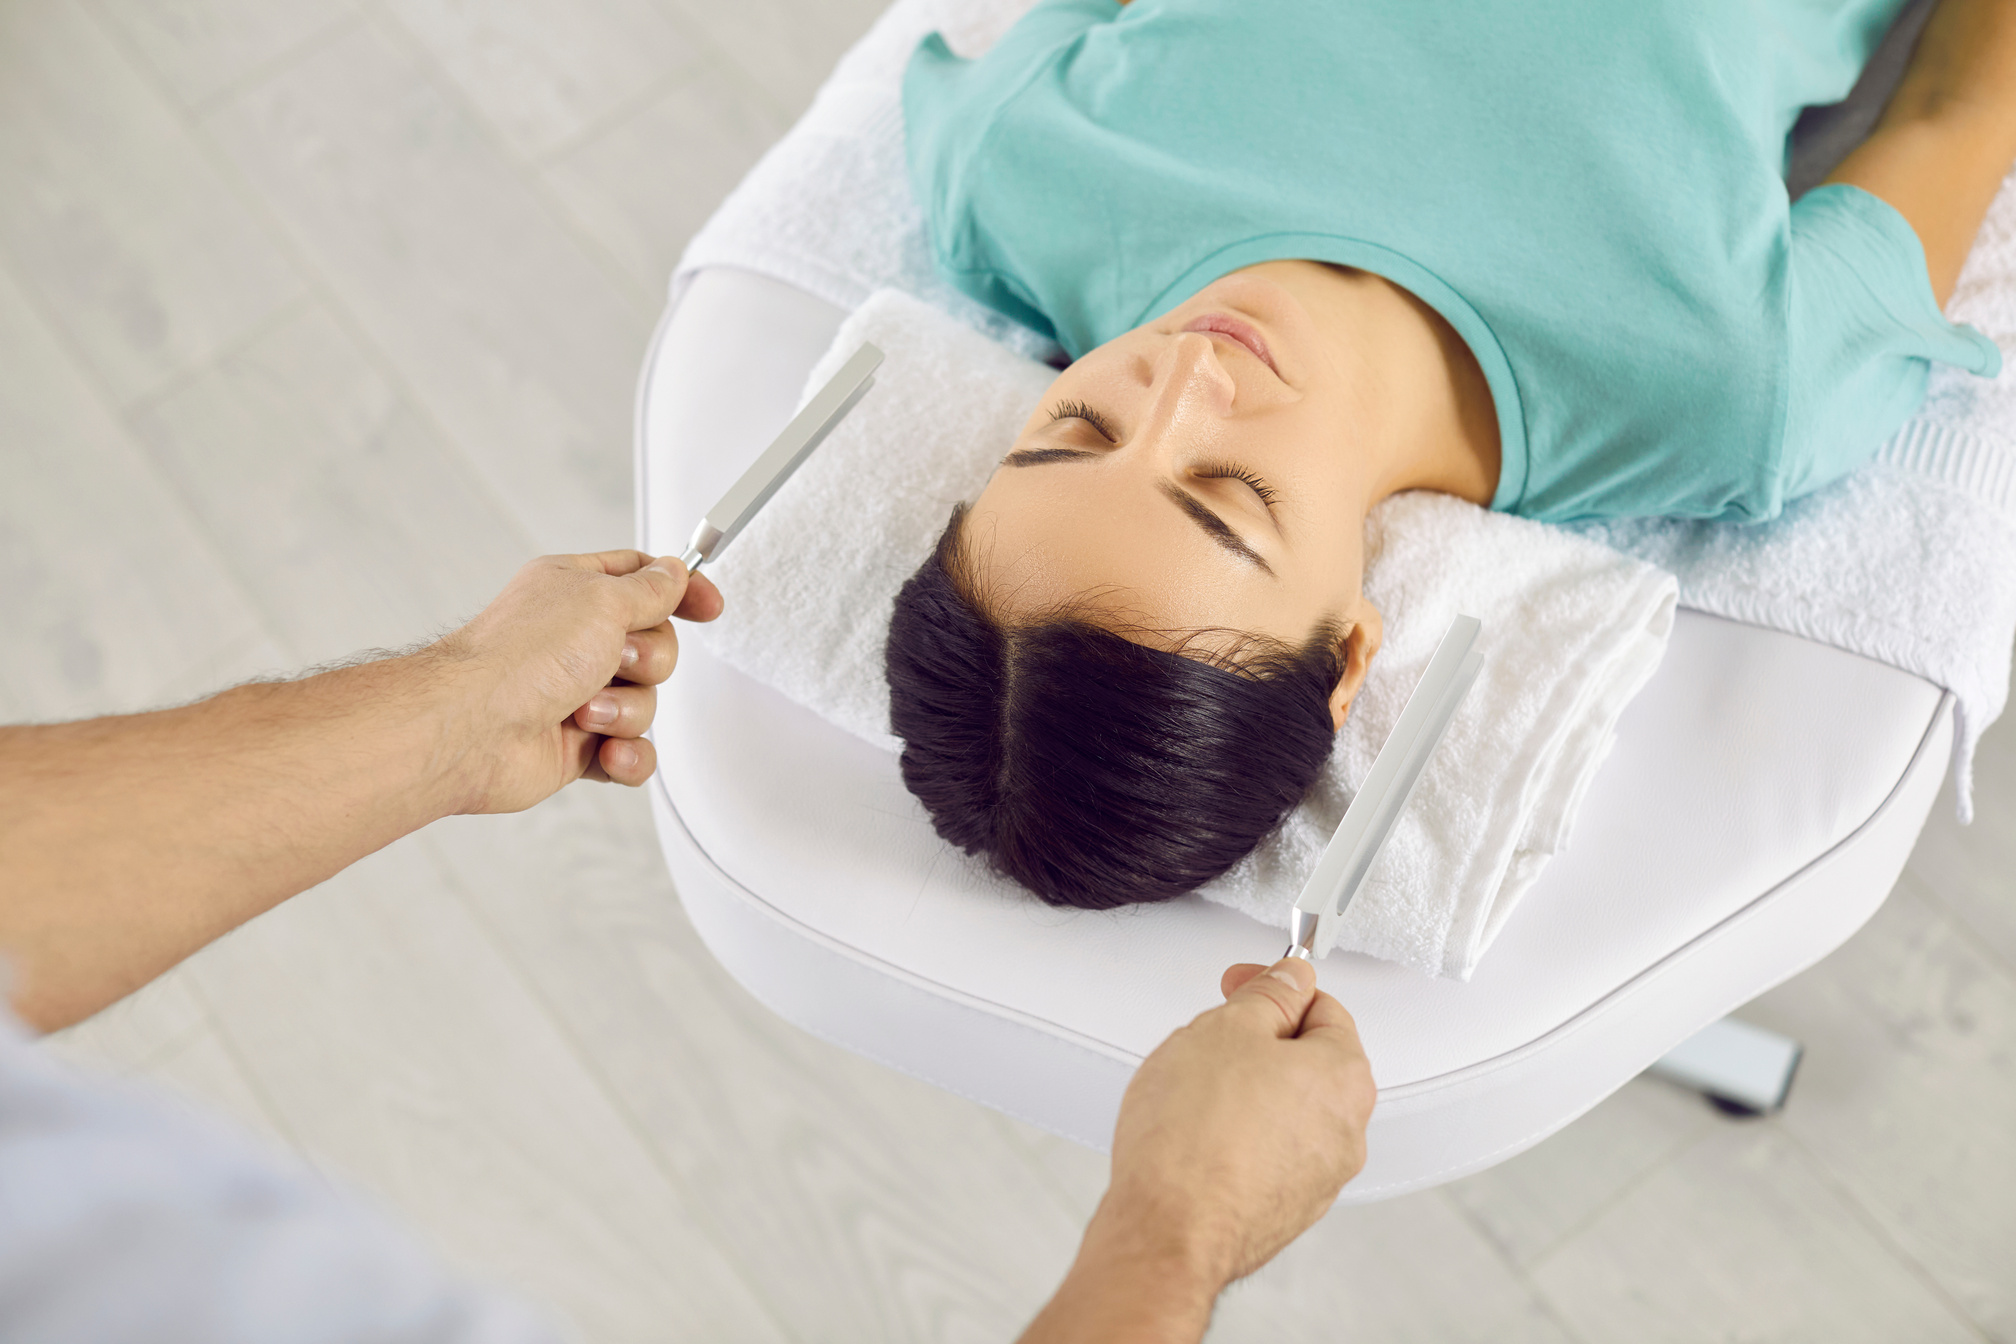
column 1911, row 561
column 828, row 207
column 815, row 573
column 1571, row 631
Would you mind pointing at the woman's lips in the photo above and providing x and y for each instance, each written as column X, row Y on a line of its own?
column 1243, row 332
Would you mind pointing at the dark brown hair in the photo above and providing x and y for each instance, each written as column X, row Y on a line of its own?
column 1095, row 770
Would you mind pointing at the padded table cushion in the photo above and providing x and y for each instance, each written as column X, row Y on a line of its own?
column 1760, row 802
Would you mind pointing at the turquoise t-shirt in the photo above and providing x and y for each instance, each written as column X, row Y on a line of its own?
column 1590, row 191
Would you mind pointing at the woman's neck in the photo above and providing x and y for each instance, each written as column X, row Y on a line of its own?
column 1428, row 419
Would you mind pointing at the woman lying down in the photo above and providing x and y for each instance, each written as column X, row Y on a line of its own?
column 1309, row 253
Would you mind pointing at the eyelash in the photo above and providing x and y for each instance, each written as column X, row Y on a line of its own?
column 1225, row 471
column 1078, row 410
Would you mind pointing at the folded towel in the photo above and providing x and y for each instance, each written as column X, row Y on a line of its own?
column 1572, row 630
column 828, row 208
column 816, row 572
column 1914, row 565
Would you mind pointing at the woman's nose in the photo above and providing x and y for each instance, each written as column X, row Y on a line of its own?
column 1190, row 379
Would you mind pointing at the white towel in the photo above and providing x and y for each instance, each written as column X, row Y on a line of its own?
column 815, row 574
column 1929, row 544
column 828, row 207
column 1572, row 630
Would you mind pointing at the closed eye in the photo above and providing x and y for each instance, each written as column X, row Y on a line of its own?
column 1078, row 410
column 1215, row 527
column 1225, row 471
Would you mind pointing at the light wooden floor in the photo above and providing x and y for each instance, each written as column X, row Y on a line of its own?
column 316, row 317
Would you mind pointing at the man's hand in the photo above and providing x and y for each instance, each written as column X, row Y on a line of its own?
column 559, row 673
column 127, row 843
column 1234, row 1137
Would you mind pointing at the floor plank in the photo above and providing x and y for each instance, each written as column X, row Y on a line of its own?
column 334, row 502
column 397, row 1045
column 785, row 47
column 139, row 1031
column 507, row 330
column 202, row 1072
column 1972, row 869
column 1742, row 1237
column 201, row 48
column 543, row 72
column 111, row 598
column 1528, row 1204
column 1408, row 1270
column 643, row 204
column 1908, row 1032
column 905, row 1212
column 132, row 244
column 1076, row 1174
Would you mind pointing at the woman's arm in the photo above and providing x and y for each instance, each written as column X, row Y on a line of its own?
column 128, row 843
column 1948, row 137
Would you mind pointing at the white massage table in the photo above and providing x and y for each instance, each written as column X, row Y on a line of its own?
column 1760, row 803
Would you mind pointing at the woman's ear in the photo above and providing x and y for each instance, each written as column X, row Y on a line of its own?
column 1360, row 644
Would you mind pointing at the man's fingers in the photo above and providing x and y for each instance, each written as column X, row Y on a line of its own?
column 1328, row 1025
column 649, row 655
column 1327, row 1015
column 627, row 762
column 1277, row 998
column 602, row 562
column 653, row 592
column 664, row 588
column 1235, row 976
column 618, row 711
column 702, row 601
column 612, row 760
column 657, row 588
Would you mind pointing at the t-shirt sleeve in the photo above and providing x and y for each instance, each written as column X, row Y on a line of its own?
column 950, row 105
column 1863, row 332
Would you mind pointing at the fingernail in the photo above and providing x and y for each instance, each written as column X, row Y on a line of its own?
column 599, row 712
column 631, row 653
column 1287, row 976
column 619, row 755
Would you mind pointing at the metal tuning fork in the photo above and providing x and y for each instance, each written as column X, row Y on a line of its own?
column 786, row 453
column 1312, row 926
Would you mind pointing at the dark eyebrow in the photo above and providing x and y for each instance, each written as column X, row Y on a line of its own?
column 1043, row 457
column 1214, row 526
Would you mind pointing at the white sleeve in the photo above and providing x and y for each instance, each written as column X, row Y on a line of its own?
column 126, row 1217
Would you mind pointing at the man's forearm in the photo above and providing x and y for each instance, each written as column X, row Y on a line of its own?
column 1127, row 1287
column 128, row 843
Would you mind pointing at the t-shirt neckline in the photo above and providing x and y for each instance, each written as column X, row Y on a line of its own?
column 1411, row 276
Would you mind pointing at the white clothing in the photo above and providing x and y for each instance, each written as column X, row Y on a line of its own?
column 126, row 1217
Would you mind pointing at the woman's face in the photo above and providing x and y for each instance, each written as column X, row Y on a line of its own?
column 1194, row 474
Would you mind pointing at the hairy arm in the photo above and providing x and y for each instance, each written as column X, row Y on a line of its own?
column 1234, row 1137
column 128, row 843
column 1948, row 136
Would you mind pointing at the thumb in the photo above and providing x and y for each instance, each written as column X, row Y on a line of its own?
column 1277, row 998
column 654, row 592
